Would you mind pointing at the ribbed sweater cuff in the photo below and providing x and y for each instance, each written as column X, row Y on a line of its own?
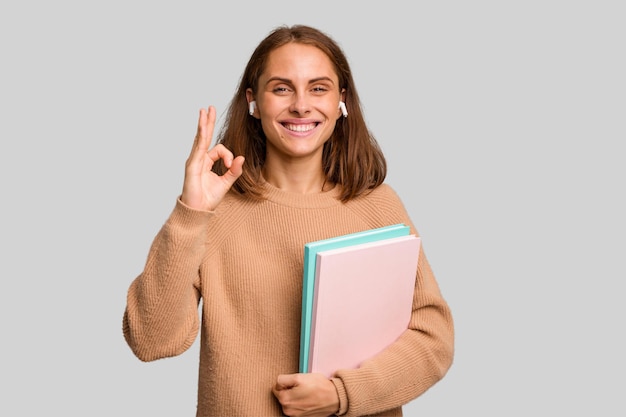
column 343, row 396
column 186, row 225
column 185, row 214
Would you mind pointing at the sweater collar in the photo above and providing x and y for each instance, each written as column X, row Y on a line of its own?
column 310, row 201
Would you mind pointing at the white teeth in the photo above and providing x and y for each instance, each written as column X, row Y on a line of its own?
column 300, row 128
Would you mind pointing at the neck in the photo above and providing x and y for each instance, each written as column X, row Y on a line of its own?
column 297, row 181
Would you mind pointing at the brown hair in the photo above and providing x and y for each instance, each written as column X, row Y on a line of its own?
column 351, row 157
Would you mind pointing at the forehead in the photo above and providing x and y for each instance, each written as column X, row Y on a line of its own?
column 297, row 61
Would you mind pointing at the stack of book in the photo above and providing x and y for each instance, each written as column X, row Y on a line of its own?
column 357, row 296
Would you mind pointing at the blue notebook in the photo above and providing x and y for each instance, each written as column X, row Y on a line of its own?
column 308, row 285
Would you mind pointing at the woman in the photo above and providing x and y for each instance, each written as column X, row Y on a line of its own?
column 294, row 163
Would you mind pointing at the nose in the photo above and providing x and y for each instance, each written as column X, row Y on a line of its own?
column 300, row 104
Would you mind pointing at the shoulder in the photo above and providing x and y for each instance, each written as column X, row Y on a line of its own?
column 386, row 192
column 382, row 205
column 232, row 211
column 383, row 194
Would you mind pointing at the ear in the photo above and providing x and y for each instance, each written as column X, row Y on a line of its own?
column 252, row 108
column 342, row 111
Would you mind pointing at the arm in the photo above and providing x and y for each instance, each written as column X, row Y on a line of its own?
column 161, row 317
column 402, row 372
column 410, row 366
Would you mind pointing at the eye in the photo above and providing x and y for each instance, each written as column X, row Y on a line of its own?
column 281, row 90
column 319, row 89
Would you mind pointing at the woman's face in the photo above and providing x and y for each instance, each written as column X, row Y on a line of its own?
column 297, row 101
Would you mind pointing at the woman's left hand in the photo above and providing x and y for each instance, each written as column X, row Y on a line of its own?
column 306, row 395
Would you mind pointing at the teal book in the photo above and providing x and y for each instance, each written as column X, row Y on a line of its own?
column 311, row 250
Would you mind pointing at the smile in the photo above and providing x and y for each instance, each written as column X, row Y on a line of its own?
column 300, row 127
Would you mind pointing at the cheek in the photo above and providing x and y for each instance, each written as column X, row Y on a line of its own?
column 331, row 108
column 267, row 126
column 272, row 130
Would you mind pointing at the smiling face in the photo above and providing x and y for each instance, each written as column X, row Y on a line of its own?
column 297, row 101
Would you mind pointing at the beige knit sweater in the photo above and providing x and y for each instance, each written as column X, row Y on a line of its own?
column 244, row 262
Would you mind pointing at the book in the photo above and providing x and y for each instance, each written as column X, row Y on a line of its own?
column 310, row 259
column 363, row 301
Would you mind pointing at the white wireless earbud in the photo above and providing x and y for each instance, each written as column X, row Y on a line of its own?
column 344, row 111
column 251, row 107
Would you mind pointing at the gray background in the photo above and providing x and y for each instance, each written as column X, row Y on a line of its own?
column 503, row 123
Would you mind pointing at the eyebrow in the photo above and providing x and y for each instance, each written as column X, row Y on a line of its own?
column 288, row 81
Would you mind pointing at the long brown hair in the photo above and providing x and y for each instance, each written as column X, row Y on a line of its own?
column 351, row 158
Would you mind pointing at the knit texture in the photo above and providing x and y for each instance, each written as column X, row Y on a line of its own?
column 243, row 265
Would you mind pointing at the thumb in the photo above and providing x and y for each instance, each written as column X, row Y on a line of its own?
column 286, row 382
column 234, row 170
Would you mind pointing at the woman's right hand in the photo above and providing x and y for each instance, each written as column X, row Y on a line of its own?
column 203, row 189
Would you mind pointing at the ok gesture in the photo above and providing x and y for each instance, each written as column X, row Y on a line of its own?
column 203, row 189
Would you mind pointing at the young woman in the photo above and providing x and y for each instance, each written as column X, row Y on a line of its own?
column 294, row 162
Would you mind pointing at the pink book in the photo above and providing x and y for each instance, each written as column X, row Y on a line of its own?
column 363, row 301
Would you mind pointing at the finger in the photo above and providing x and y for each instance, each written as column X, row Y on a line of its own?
column 202, row 115
column 234, row 172
column 204, row 133
column 208, row 128
column 236, row 166
column 220, row 151
column 286, row 381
